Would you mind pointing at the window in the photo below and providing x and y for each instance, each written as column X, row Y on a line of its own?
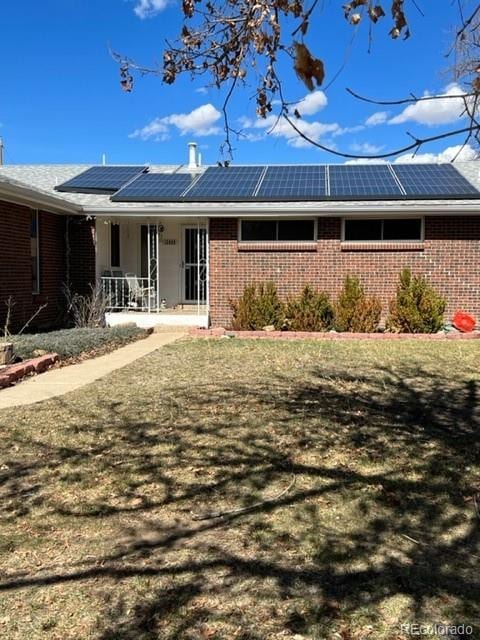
column 389, row 230
column 277, row 230
column 114, row 245
column 34, row 251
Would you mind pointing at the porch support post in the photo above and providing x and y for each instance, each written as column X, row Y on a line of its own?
column 198, row 267
column 149, row 258
column 158, row 268
column 207, row 257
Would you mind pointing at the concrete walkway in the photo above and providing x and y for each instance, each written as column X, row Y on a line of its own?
column 56, row 382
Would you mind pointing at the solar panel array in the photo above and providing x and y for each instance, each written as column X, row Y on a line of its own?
column 283, row 183
column 277, row 183
column 362, row 181
column 225, row 184
column 155, row 187
column 433, row 180
column 101, row 179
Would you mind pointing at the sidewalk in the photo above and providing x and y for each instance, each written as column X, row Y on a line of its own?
column 56, row 382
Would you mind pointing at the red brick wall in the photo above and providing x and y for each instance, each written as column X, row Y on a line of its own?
column 15, row 266
column 449, row 257
column 82, row 254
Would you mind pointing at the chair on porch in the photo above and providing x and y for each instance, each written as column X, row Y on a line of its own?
column 138, row 295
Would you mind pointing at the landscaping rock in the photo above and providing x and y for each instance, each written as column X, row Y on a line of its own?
column 269, row 327
column 39, row 352
column 6, row 352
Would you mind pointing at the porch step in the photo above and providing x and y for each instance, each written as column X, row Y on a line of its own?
column 162, row 321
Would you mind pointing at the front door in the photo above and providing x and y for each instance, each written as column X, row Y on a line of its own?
column 195, row 264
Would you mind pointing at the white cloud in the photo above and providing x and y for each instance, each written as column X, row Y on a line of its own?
column 200, row 122
column 272, row 125
column 280, row 128
column 366, row 147
column 366, row 161
column 447, row 155
column 380, row 117
column 311, row 104
column 434, row 112
column 149, row 8
column 155, row 129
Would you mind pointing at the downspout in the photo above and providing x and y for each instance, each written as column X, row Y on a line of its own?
column 68, row 252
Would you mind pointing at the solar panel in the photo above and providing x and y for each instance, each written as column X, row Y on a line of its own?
column 225, row 184
column 155, row 187
column 101, row 179
column 293, row 183
column 433, row 181
column 362, row 181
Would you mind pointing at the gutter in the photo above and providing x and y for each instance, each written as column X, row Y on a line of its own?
column 444, row 209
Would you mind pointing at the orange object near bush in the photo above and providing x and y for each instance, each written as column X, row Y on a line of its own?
column 463, row 321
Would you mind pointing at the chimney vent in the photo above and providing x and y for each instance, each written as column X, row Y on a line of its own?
column 192, row 155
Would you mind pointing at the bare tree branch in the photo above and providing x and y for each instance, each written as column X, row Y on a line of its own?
column 240, row 43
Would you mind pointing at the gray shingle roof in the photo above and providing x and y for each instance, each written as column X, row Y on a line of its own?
column 44, row 179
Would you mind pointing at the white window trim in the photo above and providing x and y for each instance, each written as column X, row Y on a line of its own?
column 278, row 219
column 36, row 291
column 395, row 217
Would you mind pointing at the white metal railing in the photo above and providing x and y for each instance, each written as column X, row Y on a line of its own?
column 130, row 293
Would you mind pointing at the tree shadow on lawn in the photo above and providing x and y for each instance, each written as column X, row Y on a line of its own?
column 386, row 467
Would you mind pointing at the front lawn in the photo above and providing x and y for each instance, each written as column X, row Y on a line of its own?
column 378, row 442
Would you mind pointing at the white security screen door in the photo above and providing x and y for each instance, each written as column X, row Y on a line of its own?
column 149, row 263
column 195, row 264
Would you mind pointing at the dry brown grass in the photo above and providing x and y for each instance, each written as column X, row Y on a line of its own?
column 98, row 489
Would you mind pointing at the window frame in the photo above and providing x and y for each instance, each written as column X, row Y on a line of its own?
column 382, row 219
column 35, row 212
column 277, row 220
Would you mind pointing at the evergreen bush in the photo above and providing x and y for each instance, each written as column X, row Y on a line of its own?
column 417, row 307
column 259, row 306
column 354, row 311
column 312, row 311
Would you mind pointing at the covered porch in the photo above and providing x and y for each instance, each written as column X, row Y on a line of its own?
column 153, row 271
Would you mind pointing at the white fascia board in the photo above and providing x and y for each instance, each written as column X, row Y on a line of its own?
column 38, row 200
column 293, row 212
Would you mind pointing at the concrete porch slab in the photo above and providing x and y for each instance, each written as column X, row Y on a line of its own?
column 147, row 320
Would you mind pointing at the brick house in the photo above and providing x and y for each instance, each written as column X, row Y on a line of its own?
column 174, row 245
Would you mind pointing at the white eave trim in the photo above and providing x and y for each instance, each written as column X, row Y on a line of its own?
column 17, row 194
column 449, row 209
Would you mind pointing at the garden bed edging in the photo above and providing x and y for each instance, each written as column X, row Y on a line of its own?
column 16, row 372
column 330, row 335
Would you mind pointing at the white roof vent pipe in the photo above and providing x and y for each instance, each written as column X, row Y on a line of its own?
column 192, row 155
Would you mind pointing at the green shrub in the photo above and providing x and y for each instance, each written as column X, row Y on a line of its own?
column 259, row 306
column 354, row 311
column 70, row 343
column 417, row 307
column 312, row 311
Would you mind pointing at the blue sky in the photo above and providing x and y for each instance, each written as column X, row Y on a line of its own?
column 61, row 102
